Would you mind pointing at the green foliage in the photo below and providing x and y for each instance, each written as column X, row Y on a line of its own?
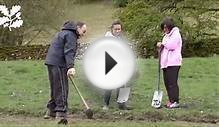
column 196, row 21
column 120, row 3
column 37, row 16
column 203, row 48
column 43, row 18
column 141, row 22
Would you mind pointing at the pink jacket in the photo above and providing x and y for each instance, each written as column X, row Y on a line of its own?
column 171, row 53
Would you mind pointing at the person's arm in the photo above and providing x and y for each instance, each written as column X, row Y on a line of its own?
column 173, row 42
column 70, row 50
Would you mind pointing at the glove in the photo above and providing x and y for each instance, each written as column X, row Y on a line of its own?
column 71, row 72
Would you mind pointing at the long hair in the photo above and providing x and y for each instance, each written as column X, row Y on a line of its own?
column 168, row 21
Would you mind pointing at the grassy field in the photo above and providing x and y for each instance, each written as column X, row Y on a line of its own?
column 24, row 87
column 36, row 122
column 24, row 93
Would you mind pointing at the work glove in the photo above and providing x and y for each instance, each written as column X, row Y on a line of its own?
column 71, row 72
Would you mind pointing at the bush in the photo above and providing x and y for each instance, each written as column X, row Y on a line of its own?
column 38, row 52
column 23, row 52
column 202, row 48
column 33, row 52
column 141, row 20
column 120, row 3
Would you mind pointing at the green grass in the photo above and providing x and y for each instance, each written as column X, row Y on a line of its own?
column 36, row 122
column 25, row 91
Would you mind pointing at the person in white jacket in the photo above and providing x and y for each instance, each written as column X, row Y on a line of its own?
column 116, row 31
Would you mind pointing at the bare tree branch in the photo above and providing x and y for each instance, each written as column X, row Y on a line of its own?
column 28, row 42
column 190, row 7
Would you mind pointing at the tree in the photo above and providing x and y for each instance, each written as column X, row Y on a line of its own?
column 38, row 16
column 196, row 19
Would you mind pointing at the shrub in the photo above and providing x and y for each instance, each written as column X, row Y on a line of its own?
column 120, row 3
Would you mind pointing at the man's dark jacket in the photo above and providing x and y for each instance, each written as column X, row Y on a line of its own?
column 62, row 50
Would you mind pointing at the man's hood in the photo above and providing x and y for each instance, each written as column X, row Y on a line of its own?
column 71, row 26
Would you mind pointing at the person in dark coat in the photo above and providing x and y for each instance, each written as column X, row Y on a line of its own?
column 60, row 63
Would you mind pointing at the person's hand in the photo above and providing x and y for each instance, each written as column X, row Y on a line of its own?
column 159, row 44
column 71, row 72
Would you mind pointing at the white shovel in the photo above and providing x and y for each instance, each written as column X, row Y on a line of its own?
column 123, row 94
column 158, row 94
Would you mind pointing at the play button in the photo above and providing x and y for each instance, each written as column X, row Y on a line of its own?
column 109, row 63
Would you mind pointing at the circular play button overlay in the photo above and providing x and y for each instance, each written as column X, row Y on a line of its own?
column 109, row 63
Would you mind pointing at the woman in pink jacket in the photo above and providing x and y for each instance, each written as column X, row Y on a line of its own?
column 171, row 60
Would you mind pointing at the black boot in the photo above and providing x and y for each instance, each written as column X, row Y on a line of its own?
column 123, row 106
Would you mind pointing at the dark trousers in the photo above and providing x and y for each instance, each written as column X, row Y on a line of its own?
column 170, row 75
column 59, row 88
column 107, row 96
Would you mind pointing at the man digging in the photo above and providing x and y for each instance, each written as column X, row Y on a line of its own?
column 60, row 63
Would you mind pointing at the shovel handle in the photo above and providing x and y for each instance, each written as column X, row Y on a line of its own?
column 159, row 70
column 79, row 93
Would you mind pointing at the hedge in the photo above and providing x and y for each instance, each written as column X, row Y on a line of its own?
column 202, row 48
column 38, row 52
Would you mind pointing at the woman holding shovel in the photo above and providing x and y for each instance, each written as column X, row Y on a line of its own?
column 116, row 31
column 171, row 60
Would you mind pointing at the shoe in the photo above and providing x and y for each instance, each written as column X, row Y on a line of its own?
column 63, row 121
column 49, row 114
column 105, row 107
column 128, row 107
column 61, row 118
column 123, row 106
column 61, row 115
column 174, row 105
column 168, row 104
